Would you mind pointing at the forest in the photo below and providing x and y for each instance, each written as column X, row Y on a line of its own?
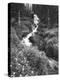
column 42, row 57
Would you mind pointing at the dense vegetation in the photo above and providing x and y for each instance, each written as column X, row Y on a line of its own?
column 39, row 59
